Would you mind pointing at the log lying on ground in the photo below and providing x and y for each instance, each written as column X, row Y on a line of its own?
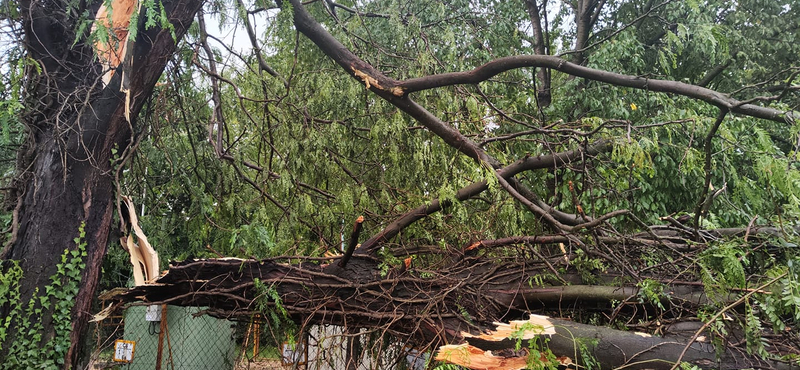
column 422, row 307
column 572, row 342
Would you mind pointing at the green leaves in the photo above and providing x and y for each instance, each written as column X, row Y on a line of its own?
column 651, row 292
column 28, row 349
column 9, row 296
column 270, row 304
column 723, row 266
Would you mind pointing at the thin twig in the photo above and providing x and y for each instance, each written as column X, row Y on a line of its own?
column 718, row 314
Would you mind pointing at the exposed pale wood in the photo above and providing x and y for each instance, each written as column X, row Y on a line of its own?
column 143, row 257
column 163, row 329
column 475, row 358
column 523, row 329
column 117, row 19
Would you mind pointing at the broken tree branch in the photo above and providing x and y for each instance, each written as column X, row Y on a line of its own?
column 525, row 164
column 501, row 65
column 357, row 226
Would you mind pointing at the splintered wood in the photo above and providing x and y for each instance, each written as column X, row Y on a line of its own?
column 116, row 18
column 370, row 81
column 473, row 357
column 143, row 257
column 112, row 50
column 532, row 327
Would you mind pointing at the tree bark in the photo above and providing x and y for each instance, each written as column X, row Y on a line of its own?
column 586, row 14
column 541, row 47
column 630, row 350
column 76, row 128
column 467, row 296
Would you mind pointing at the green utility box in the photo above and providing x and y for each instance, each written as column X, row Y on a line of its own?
column 188, row 342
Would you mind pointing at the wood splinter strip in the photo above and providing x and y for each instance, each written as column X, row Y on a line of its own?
column 473, row 357
column 370, row 81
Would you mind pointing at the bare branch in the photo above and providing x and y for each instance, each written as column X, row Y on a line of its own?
column 256, row 48
column 617, row 31
column 501, row 65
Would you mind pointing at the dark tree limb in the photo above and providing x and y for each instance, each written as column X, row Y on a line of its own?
column 391, row 89
column 262, row 63
column 217, row 116
column 399, row 303
column 548, row 217
column 333, row 5
column 615, row 349
column 713, row 73
column 703, row 200
column 585, row 19
column 500, row 65
column 638, row 19
column 541, row 47
column 351, row 246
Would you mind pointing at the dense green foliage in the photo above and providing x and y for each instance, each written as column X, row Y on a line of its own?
column 34, row 349
column 310, row 135
column 234, row 159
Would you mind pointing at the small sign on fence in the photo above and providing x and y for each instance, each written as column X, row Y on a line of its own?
column 294, row 354
column 123, row 350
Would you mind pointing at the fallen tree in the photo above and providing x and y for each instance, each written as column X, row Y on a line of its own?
column 560, row 161
column 579, row 267
column 427, row 308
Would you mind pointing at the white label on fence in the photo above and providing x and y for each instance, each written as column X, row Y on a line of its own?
column 123, row 350
column 152, row 313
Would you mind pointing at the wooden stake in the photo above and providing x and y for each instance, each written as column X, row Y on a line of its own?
column 161, row 332
column 256, row 337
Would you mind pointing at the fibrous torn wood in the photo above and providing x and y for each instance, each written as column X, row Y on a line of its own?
column 143, row 257
column 473, row 357
column 370, row 81
column 116, row 18
column 114, row 51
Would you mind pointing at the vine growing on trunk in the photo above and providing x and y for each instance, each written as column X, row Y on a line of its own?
column 31, row 349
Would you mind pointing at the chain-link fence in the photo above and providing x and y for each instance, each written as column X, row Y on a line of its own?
column 172, row 338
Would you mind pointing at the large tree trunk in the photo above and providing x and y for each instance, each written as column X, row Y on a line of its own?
column 465, row 291
column 426, row 309
column 76, row 128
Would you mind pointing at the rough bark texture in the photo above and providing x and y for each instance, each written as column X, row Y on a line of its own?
column 427, row 308
column 542, row 47
column 464, row 291
column 631, row 350
column 76, row 126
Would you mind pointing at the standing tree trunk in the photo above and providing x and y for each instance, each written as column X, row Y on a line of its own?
column 541, row 39
column 586, row 14
column 77, row 131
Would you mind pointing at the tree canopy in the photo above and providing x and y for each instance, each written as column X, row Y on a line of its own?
column 498, row 151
